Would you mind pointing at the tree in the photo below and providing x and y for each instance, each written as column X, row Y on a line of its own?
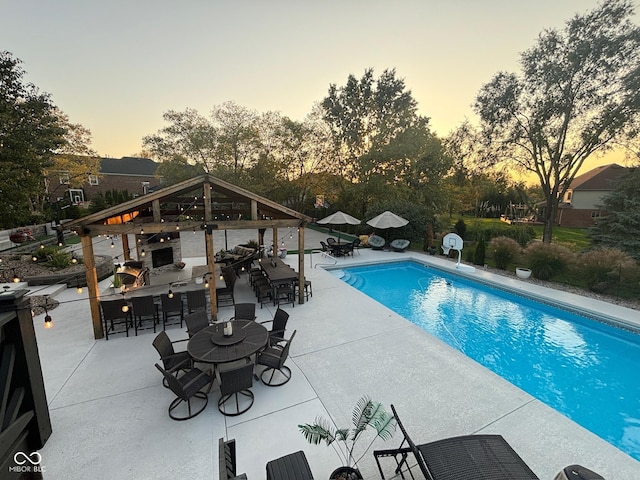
column 189, row 136
column 30, row 133
column 620, row 228
column 380, row 141
column 578, row 90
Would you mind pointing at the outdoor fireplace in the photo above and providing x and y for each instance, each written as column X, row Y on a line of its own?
column 159, row 251
column 161, row 257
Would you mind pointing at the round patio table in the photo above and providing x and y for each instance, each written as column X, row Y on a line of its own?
column 209, row 345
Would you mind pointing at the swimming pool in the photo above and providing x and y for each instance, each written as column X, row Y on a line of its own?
column 585, row 369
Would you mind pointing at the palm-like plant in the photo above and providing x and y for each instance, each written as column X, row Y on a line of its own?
column 366, row 413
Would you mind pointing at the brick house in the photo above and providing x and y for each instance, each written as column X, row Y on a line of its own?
column 582, row 200
column 135, row 175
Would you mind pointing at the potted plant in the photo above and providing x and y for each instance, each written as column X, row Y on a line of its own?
column 366, row 413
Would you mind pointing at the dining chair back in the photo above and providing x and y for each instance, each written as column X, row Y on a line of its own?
column 196, row 321
column 273, row 358
column 144, row 308
column 244, row 311
column 116, row 318
column 171, row 307
column 235, row 383
column 196, row 300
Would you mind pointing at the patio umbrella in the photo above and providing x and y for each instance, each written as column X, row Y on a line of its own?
column 387, row 220
column 339, row 218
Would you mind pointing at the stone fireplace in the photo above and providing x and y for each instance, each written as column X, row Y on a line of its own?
column 161, row 250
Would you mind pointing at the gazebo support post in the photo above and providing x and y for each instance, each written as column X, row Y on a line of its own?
column 92, row 285
column 301, row 264
column 125, row 247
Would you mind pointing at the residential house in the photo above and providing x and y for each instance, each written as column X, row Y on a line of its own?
column 583, row 199
column 135, row 175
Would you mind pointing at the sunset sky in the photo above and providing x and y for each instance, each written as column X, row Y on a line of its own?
column 115, row 66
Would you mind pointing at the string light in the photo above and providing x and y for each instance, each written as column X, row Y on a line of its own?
column 170, row 294
column 34, row 258
column 142, row 253
column 16, row 279
column 48, row 321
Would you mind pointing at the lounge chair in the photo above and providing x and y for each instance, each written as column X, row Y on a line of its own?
column 400, row 245
column 376, row 242
column 470, row 457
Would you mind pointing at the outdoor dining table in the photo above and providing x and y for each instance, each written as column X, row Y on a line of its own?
column 210, row 345
column 277, row 271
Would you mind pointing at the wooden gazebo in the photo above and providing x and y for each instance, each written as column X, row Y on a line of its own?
column 201, row 203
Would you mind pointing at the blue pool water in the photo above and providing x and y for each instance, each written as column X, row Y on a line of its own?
column 586, row 370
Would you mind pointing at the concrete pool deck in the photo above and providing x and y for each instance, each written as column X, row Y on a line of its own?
column 109, row 411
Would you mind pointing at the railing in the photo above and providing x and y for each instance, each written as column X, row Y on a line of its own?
column 324, row 254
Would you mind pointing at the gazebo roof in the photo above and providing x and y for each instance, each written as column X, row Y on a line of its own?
column 198, row 203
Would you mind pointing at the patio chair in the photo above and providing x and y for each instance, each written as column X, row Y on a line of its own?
column 235, row 383
column 171, row 307
column 273, row 358
column 196, row 321
column 469, row 457
column 227, row 461
column 169, row 357
column 225, row 294
column 144, row 308
column 186, row 387
column 325, row 247
column 196, row 300
column 376, row 242
column 308, row 291
column 278, row 325
column 285, row 293
column 331, row 241
column 399, row 245
column 114, row 318
column 244, row 311
column 290, row 467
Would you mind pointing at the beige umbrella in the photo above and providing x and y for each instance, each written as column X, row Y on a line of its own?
column 339, row 218
column 387, row 220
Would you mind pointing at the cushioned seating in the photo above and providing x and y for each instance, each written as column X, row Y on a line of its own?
column 227, row 461
column 376, row 242
column 290, row 467
column 400, row 245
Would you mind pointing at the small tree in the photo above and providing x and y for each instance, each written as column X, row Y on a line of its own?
column 460, row 228
column 480, row 252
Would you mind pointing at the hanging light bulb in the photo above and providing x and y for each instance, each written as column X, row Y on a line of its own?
column 34, row 258
column 16, row 279
column 170, row 294
column 141, row 231
column 74, row 260
column 41, row 246
column 112, row 245
column 177, row 227
column 48, row 321
column 79, row 289
column 125, row 308
column 142, row 253
column 206, row 281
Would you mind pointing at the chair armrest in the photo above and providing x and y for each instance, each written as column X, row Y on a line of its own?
column 178, row 366
column 266, row 321
column 196, row 378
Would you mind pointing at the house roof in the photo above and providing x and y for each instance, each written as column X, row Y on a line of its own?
column 128, row 166
column 600, row 178
column 191, row 204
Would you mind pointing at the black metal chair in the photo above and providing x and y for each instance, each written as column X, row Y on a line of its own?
column 273, row 358
column 225, row 294
column 278, row 325
column 196, row 321
column 196, row 300
column 171, row 360
column 144, row 308
column 186, row 387
column 285, row 293
column 116, row 318
column 308, row 291
column 244, row 311
column 235, row 383
column 171, row 307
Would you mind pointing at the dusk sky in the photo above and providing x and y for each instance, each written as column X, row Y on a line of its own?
column 116, row 66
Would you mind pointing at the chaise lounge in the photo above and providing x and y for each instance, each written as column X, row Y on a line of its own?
column 470, row 457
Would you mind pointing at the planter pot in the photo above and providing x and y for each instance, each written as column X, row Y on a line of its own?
column 523, row 273
column 345, row 473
